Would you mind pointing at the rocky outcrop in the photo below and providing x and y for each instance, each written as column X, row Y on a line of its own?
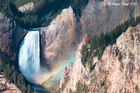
column 6, row 86
column 59, row 40
column 75, row 72
column 104, row 16
column 26, row 7
column 117, row 71
column 10, row 37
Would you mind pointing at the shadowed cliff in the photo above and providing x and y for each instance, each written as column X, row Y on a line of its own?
column 10, row 37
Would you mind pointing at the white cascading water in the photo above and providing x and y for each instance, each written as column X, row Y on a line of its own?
column 29, row 61
column 29, row 55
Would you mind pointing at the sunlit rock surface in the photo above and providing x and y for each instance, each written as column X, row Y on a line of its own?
column 59, row 39
column 11, row 87
column 102, row 16
column 26, row 7
column 117, row 71
column 75, row 72
column 58, row 44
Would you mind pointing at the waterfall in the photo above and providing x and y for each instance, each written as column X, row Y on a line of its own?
column 29, row 54
column 29, row 61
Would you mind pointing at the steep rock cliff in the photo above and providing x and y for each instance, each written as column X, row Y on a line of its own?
column 104, row 16
column 59, row 40
column 117, row 71
column 75, row 72
column 10, row 37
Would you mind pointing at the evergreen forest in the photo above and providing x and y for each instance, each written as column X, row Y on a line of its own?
column 37, row 17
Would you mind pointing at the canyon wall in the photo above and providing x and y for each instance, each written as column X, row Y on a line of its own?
column 104, row 16
column 74, row 73
column 117, row 71
column 59, row 40
column 64, row 32
column 10, row 37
